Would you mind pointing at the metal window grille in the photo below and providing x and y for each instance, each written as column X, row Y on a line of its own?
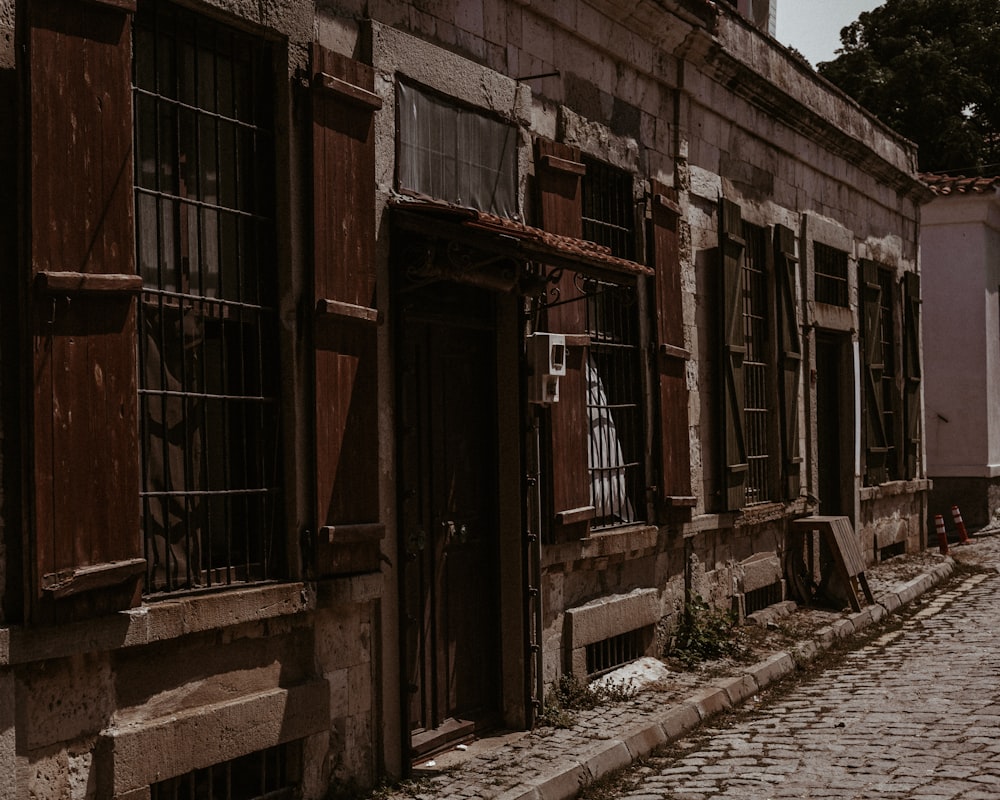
column 759, row 599
column 831, row 275
column 615, row 651
column 208, row 384
column 613, row 370
column 887, row 387
column 265, row 774
column 756, row 370
column 608, row 208
column 613, row 408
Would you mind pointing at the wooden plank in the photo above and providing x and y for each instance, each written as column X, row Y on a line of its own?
column 347, row 92
column 346, row 311
column 674, row 438
column 839, row 535
column 561, row 208
column 87, row 283
column 81, row 255
column 346, row 416
column 84, row 579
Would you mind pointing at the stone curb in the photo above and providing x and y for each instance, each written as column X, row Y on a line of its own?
column 564, row 781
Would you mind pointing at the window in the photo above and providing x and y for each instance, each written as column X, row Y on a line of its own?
column 208, row 377
column 613, row 369
column 757, row 370
column 882, row 398
column 831, row 275
column 608, row 208
column 264, row 774
column 455, row 154
column 888, row 386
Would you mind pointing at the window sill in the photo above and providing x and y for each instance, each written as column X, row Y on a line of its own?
column 894, row 489
column 751, row 515
column 156, row 622
column 618, row 541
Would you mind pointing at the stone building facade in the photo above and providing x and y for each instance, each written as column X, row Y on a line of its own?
column 368, row 365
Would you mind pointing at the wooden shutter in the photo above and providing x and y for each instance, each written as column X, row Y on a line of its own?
column 675, row 443
column 911, row 372
column 348, row 532
column 558, row 170
column 790, row 353
column 80, row 296
column 734, row 458
column 875, row 441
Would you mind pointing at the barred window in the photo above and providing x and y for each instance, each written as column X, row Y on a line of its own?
column 608, row 208
column 208, row 378
column 614, row 367
column 265, row 774
column 831, row 275
column 756, row 363
column 886, row 468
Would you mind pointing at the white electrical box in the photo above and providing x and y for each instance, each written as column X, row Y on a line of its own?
column 546, row 364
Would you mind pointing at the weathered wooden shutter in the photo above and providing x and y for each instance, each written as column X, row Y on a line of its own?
column 911, row 372
column 790, row 353
column 875, row 441
column 80, row 295
column 348, row 531
column 558, row 170
column 675, row 443
column 734, row 452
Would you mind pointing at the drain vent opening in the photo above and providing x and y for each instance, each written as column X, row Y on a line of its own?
column 759, row 599
column 616, row 651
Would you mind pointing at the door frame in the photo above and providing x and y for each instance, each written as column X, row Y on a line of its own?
column 842, row 350
column 510, row 496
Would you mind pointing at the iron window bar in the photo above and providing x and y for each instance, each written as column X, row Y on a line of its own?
column 888, row 471
column 264, row 775
column 756, row 368
column 830, row 275
column 613, row 369
column 211, row 490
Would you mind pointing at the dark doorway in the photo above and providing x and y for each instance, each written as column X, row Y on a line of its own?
column 448, row 522
column 829, row 424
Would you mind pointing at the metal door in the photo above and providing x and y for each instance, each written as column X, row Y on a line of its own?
column 449, row 549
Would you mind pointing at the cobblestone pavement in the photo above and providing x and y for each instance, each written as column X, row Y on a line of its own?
column 553, row 764
column 913, row 714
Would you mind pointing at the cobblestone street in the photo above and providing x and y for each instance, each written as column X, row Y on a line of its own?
column 914, row 713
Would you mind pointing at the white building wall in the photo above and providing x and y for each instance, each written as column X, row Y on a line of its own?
column 960, row 246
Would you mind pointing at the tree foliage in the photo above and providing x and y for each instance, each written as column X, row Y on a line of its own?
column 930, row 69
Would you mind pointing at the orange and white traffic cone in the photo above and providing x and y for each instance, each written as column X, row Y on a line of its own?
column 941, row 534
column 963, row 536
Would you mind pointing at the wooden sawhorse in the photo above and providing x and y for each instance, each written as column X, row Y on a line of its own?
column 838, row 533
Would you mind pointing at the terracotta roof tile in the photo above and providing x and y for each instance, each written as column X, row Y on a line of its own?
column 945, row 185
column 534, row 242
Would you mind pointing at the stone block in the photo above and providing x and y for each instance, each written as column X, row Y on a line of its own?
column 644, row 738
column 65, row 699
column 611, row 616
column 890, row 602
column 679, row 721
column 606, row 758
column 740, row 688
column 149, row 751
column 772, row 668
column 710, row 701
column 563, row 781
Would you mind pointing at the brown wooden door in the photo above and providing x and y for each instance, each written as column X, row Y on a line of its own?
column 449, row 528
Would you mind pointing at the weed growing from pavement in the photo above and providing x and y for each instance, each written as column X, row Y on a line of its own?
column 705, row 634
column 571, row 693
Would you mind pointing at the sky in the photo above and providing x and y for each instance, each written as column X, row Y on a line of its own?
column 813, row 26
